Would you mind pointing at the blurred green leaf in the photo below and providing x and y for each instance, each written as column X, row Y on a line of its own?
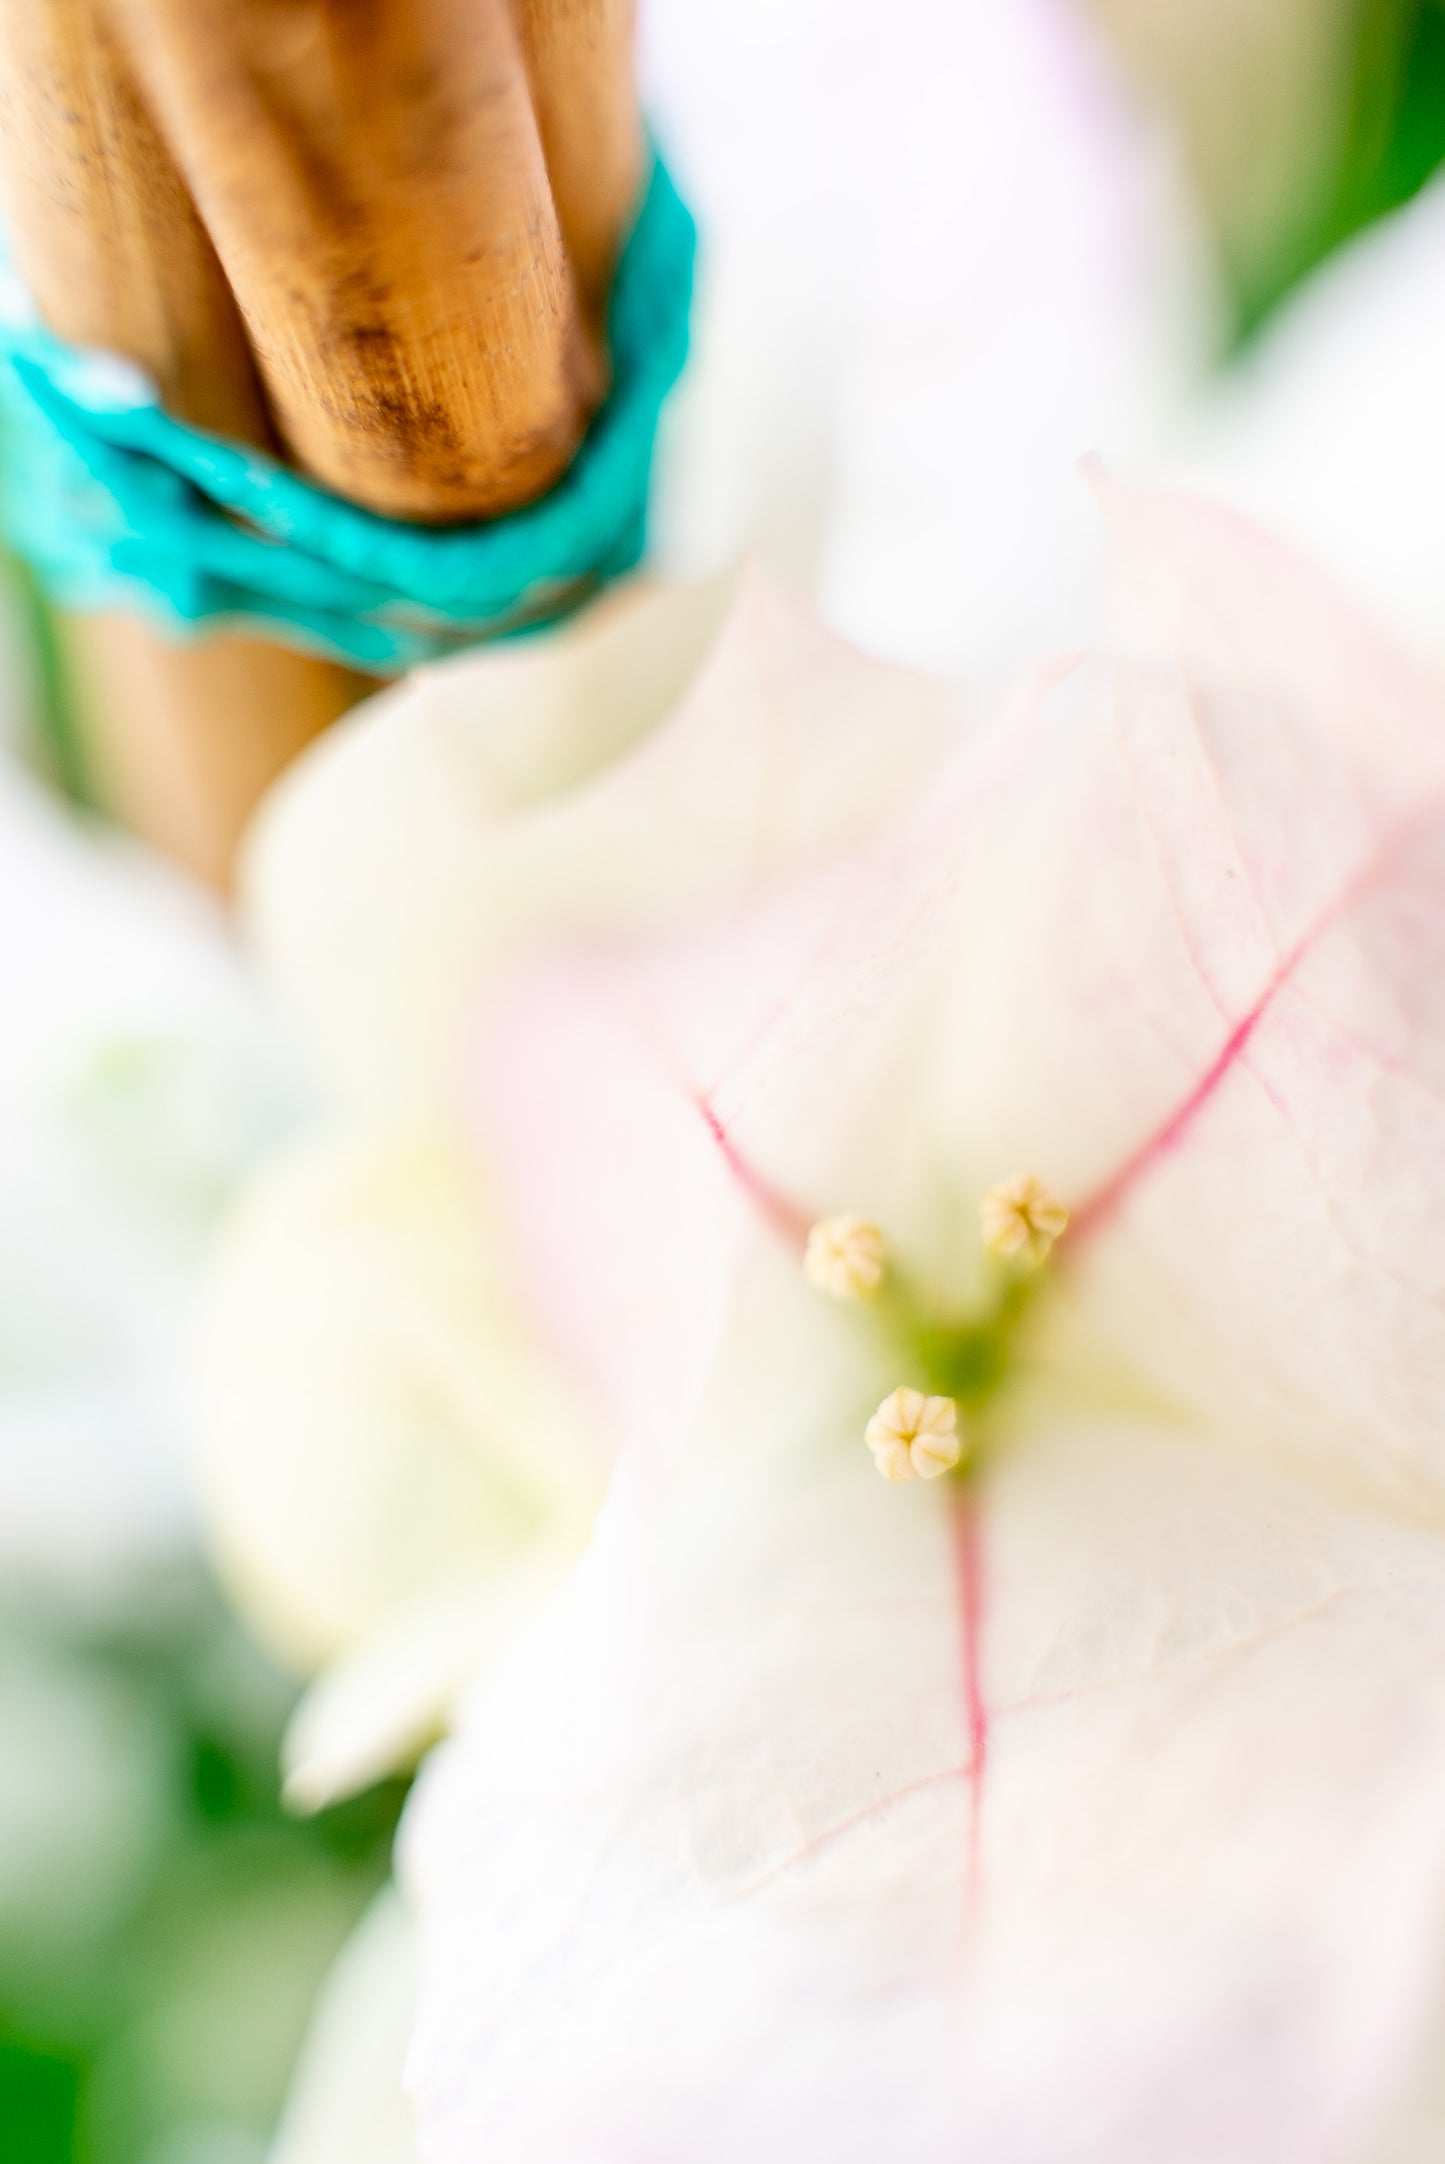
column 160, row 2025
column 39, row 2099
column 1393, row 143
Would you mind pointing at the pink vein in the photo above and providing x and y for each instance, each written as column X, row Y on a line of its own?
column 969, row 1579
column 784, row 1216
column 1104, row 1201
column 818, row 1843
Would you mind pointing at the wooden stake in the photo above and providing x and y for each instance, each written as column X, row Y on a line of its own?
column 332, row 221
column 179, row 740
column 579, row 64
column 373, row 177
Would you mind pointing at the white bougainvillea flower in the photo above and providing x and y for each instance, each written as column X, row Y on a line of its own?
column 138, row 1084
column 1089, row 1804
column 941, row 260
column 396, row 1453
column 991, row 279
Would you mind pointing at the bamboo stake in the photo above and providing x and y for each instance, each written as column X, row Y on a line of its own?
column 372, row 175
column 180, row 741
column 579, row 64
column 367, row 183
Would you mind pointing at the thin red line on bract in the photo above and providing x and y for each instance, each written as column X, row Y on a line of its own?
column 785, row 1217
column 1097, row 1208
column 967, row 1532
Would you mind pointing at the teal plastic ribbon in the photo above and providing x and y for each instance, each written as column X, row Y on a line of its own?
column 117, row 504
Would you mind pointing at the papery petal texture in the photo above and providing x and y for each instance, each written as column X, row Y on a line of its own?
column 387, row 1414
column 663, row 755
column 376, row 1429
column 1092, row 1812
column 1270, row 1245
column 1096, row 1816
column 1163, row 934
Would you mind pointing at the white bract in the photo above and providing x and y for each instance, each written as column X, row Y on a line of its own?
column 941, row 260
column 399, row 1449
column 137, row 1086
column 1090, row 1804
column 930, row 280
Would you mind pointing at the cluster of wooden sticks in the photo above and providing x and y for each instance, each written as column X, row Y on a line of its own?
column 376, row 236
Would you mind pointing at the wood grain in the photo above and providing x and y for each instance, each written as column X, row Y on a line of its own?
column 374, row 178
column 180, row 740
column 579, row 65
column 377, row 233
column 100, row 222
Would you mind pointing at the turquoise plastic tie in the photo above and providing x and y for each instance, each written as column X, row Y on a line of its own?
column 117, row 504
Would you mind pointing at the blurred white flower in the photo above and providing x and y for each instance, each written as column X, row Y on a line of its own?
column 1093, row 1808
column 936, row 269
column 941, row 261
column 137, row 1083
column 398, row 1450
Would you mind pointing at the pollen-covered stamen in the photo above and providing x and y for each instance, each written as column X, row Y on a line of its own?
column 913, row 1436
column 1020, row 1220
column 845, row 1257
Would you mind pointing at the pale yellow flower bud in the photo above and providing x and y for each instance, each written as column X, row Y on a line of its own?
column 845, row 1257
column 1020, row 1219
column 913, row 1436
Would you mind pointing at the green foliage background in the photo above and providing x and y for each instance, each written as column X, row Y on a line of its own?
column 156, row 2016
column 1393, row 141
